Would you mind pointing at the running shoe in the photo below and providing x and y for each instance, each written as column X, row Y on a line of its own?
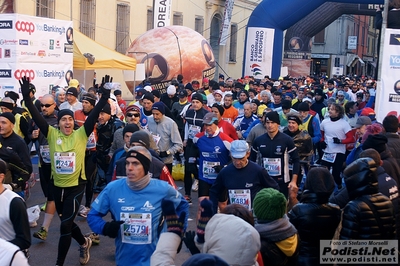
column 83, row 211
column 188, row 199
column 41, row 234
column 94, row 237
column 195, row 186
column 84, row 254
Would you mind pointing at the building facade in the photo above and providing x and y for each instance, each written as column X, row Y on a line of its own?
column 115, row 24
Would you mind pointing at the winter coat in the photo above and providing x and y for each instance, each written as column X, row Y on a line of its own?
column 315, row 219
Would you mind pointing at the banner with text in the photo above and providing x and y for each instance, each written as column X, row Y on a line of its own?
column 224, row 34
column 260, row 42
column 388, row 95
column 162, row 13
column 39, row 48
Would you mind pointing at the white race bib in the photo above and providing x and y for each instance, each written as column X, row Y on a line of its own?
column 208, row 170
column 65, row 162
column 91, row 143
column 273, row 166
column 240, row 196
column 45, row 153
column 329, row 157
column 136, row 229
column 193, row 130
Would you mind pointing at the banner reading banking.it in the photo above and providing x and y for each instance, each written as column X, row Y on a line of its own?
column 39, row 48
column 260, row 42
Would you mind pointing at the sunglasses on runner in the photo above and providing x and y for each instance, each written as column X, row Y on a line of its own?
column 46, row 105
column 131, row 114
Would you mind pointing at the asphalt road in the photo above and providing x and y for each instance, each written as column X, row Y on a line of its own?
column 44, row 253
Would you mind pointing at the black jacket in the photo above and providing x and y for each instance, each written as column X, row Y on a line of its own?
column 315, row 219
column 369, row 214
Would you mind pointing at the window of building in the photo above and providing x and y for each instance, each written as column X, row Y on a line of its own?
column 122, row 38
column 45, row 8
column 363, row 36
column 88, row 18
column 199, row 24
column 320, row 37
column 150, row 20
column 233, row 43
column 177, row 19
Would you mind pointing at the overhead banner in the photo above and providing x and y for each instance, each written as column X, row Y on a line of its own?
column 260, row 42
column 224, row 34
column 36, row 47
column 388, row 96
column 162, row 13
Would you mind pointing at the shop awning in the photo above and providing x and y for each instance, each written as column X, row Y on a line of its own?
column 353, row 59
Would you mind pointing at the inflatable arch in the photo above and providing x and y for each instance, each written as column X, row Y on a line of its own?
column 264, row 33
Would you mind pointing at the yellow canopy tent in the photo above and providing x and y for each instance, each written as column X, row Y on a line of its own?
column 103, row 57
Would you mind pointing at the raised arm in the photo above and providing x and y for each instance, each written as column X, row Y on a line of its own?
column 94, row 114
column 39, row 120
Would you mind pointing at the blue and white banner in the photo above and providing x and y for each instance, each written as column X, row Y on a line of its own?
column 388, row 93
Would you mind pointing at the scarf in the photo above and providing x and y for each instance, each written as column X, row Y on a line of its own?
column 277, row 230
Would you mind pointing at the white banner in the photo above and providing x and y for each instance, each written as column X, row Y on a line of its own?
column 39, row 48
column 352, row 42
column 223, row 36
column 260, row 46
column 162, row 13
column 388, row 95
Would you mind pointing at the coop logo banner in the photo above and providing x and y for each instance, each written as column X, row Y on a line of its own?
column 6, row 24
column 259, row 52
column 162, row 13
column 358, row 251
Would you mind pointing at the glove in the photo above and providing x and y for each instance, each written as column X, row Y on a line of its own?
column 189, row 242
column 174, row 224
column 372, row 92
column 105, row 86
column 336, row 140
column 218, row 168
column 111, row 228
column 323, row 144
column 205, row 216
column 25, row 90
column 163, row 154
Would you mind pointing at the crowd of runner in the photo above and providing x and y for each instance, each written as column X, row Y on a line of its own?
column 278, row 165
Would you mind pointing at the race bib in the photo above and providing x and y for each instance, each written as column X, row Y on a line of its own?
column 208, row 170
column 156, row 138
column 193, row 130
column 136, row 229
column 64, row 162
column 240, row 196
column 45, row 153
column 329, row 157
column 273, row 166
column 91, row 143
column 227, row 120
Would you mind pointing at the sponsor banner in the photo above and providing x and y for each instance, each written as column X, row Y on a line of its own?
column 388, row 93
column 260, row 42
column 162, row 13
column 224, row 33
column 359, row 252
column 39, row 48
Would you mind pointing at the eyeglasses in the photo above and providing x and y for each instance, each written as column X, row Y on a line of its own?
column 46, row 105
column 131, row 114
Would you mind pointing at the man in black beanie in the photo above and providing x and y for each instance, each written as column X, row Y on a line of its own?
column 141, row 198
column 273, row 150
